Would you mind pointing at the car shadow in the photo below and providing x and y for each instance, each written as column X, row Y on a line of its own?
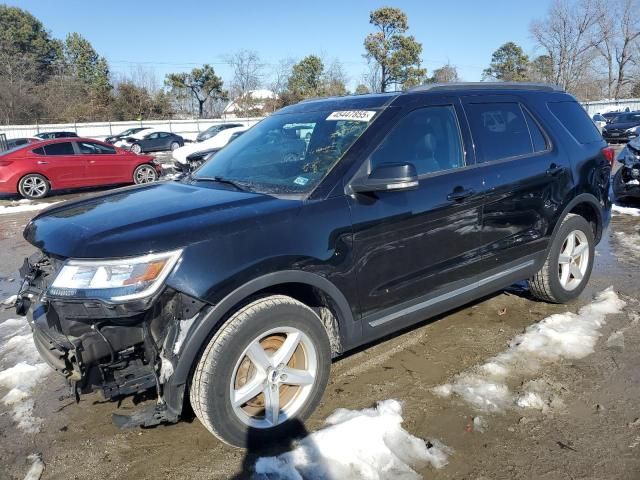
column 256, row 447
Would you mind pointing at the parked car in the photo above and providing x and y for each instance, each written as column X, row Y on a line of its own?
column 626, row 181
column 155, row 141
column 34, row 170
column 125, row 134
column 214, row 143
column 52, row 135
column 623, row 128
column 215, row 129
column 17, row 142
column 609, row 116
column 235, row 287
column 196, row 159
column 600, row 121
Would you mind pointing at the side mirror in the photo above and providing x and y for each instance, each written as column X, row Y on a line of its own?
column 387, row 177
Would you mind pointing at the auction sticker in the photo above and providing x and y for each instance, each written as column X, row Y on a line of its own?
column 353, row 115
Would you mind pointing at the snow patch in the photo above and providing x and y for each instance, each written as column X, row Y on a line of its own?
column 616, row 340
column 37, row 467
column 367, row 444
column 567, row 335
column 10, row 302
column 626, row 210
column 24, row 206
column 21, row 370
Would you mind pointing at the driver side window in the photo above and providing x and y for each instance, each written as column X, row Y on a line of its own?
column 428, row 137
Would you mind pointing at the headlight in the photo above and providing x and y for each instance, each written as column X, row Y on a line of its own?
column 633, row 130
column 114, row 280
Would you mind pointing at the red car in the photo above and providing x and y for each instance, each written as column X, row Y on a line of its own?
column 35, row 169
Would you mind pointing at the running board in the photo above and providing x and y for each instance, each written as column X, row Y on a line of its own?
column 452, row 294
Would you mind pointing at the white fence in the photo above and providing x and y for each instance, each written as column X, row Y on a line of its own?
column 604, row 106
column 100, row 130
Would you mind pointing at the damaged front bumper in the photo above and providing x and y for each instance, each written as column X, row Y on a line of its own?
column 117, row 349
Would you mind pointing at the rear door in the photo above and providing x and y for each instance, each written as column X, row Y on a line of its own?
column 61, row 165
column 414, row 244
column 104, row 165
column 525, row 177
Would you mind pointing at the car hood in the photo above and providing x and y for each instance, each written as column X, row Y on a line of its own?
column 148, row 218
column 621, row 125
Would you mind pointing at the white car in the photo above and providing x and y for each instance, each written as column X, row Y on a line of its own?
column 216, row 142
column 125, row 143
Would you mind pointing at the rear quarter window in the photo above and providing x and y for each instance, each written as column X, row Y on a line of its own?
column 576, row 121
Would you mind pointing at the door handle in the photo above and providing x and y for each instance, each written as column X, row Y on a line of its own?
column 460, row 193
column 42, row 162
column 554, row 169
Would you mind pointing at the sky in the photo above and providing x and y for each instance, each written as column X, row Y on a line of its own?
column 174, row 36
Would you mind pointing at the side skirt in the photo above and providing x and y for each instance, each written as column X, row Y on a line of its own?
column 442, row 300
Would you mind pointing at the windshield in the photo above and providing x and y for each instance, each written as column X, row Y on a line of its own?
column 288, row 153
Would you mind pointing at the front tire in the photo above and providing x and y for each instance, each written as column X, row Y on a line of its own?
column 174, row 146
column 267, row 365
column 33, row 186
column 144, row 174
column 136, row 148
column 567, row 269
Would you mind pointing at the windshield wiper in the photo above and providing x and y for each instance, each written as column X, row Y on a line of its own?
column 239, row 186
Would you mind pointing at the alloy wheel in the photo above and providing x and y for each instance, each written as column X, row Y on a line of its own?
column 573, row 260
column 145, row 174
column 34, row 187
column 273, row 378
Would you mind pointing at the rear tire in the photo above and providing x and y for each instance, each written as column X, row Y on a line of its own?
column 567, row 269
column 174, row 146
column 235, row 384
column 33, row 186
column 136, row 148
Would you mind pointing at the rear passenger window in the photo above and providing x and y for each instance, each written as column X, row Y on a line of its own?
column 429, row 138
column 499, row 131
column 575, row 119
column 537, row 137
column 63, row 148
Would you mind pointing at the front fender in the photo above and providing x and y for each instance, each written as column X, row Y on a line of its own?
column 212, row 317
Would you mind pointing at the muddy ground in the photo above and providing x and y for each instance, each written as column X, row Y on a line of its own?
column 595, row 435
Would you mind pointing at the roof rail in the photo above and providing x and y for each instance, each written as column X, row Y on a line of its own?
column 431, row 87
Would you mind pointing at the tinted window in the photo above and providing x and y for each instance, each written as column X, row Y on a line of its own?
column 537, row 137
column 575, row 119
column 38, row 151
column 163, row 135
column 429, row 138
column 499, row 130
column 95, row 148
column 63, row 148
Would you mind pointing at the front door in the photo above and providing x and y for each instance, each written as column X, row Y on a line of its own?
column 415, row 244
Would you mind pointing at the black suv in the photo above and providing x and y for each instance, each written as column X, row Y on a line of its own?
column 234, row 287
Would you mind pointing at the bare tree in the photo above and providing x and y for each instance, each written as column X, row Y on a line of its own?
column 279, row 81
column 372, row 78
column 567, row 35
column 335, row 79
column 617, row 41
column 247, row 76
